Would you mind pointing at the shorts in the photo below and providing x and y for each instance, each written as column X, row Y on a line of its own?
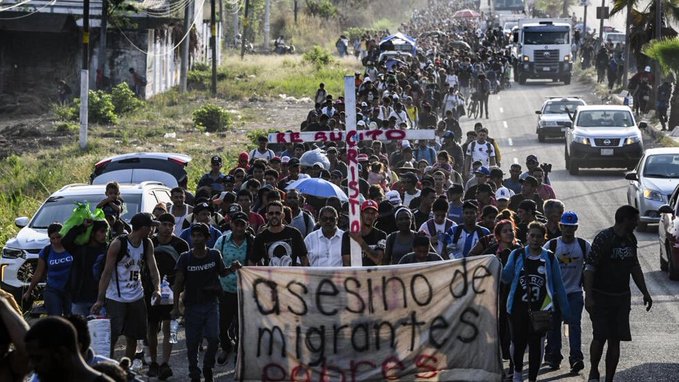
column 159, row 313
column 127, row 318
column 610, row 317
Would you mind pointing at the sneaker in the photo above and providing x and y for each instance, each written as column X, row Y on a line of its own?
column 164, row 372
column 577, row 366
column 153, row 369
column 553, row 365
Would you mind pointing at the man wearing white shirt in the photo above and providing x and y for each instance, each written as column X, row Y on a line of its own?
column 324, row 246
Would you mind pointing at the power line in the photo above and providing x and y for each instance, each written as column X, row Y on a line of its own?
column 32, row 13
column 15, row 5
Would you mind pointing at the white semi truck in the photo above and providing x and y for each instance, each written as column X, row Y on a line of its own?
column 543, row 50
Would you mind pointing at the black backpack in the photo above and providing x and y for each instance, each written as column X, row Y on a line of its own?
column 583, row 245
column 100, row 262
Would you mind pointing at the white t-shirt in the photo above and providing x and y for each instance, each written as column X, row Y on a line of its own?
column 407, row 198
column 440, row 230
column 128, row 272
column 481, row 152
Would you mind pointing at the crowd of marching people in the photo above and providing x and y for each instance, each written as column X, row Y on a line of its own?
column 422, row 201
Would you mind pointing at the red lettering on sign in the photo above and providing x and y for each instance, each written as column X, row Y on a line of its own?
column 426, row 363
column 395, row 134
column 334, row 372
column 373, row 134
column 350, row 138
column 335, row 136
column 294, row 137
column 389, row 364
column 294, row 375
column 355, row 226
column 352, row 154
column 281, row 374
column 354, row 204
column 280, row 138
column 320, row 136
column 356, row 364
column 353, row 186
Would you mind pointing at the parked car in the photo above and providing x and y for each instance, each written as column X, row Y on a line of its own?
column 553, row 116
column 20, row 253
column 668, row 235
column 603, row 136
column 167, row 168
column 651, row 183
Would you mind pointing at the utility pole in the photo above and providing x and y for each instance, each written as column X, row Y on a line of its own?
column 184, row 66
column 584, row 22
column 626, row 63
column 246, row 24
column 213, row 46
column 102, row 42
column 601, row 23
column 85, row 76
column 267, row 24
column 658, row 36
column 294, row 10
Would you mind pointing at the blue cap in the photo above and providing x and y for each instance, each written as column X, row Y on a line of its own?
column 483, row 170
column 448, row 134
column 569, row 218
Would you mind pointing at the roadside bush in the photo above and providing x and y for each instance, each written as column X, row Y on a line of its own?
column 318, row 56
column 101, row 109
column 212, row 118
column 65, row 112
column 124, row 99
column 67, row 127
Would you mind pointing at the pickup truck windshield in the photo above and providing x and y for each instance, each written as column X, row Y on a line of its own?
column 545, row 38
column 596, row 118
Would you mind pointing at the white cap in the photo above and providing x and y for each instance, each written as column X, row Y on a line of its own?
column 502, row 193
column 405, row 143
column 647, row 69
column 360, row 123
column 393, row 197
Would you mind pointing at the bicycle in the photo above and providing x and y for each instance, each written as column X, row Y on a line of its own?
column 473, row 106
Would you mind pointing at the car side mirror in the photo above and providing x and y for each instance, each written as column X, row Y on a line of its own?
column 21, row 222
column 632, row 175
column 665, row 209
column 643, row 125
column 538, row 112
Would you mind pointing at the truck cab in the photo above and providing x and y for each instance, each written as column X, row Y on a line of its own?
column 543, row 50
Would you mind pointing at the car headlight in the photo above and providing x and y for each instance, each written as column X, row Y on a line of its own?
column 582, row 140
column 653, row 195
column 567, row 58
column 13, row 253
column 633, row 139
column 526, row 58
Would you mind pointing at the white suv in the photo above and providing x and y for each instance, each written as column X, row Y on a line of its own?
column 20, row 254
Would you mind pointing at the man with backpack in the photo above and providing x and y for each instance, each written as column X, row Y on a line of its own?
column 166, row 249
column 479, row 150
column 234, row 246
column 436, row 227
column 301, row 219
column 570, row 251
column 460, row 239
column 120, row 287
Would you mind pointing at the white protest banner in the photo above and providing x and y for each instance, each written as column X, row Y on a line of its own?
column 432, row 322
column 341, row 136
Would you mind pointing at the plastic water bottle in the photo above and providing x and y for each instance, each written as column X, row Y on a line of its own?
column 166, row 294
column 174, row 327
column 138, row 361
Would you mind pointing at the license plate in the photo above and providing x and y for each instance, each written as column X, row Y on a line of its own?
column 546, row 69
column 563, row 129
column 606, row 151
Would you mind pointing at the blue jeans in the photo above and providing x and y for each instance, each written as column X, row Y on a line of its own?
column 553, row 347
column 57, row 303
column 81, row 308
column 201, row 320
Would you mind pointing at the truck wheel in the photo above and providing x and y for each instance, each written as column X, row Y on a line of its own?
column 573, row 167
column 567, row 80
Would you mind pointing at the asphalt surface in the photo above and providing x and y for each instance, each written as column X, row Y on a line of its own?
column 594, row 195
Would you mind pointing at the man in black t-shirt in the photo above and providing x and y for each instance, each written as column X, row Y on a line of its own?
column 166, row 249
column 197, row 275
column 278, row 245
column 371, row 239
column 608, row 267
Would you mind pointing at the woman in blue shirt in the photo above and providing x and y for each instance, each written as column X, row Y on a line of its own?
column 535, row 271
column 56, row 262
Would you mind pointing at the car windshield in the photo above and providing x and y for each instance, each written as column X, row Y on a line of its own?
column 58, row 209
column 545, row 38
column 560, row 107
column 662, row 166
column 605, row 118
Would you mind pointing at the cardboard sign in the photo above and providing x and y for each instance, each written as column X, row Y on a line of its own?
column 432, row 321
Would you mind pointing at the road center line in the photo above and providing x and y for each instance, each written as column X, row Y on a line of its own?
column 502, row 110
column 511, row 143
column 504, row 124
column 516, row 160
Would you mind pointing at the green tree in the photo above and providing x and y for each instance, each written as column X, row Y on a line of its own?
column 666, row 52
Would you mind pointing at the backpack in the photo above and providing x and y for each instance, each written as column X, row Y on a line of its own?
column 431, row 226
column 583, row 246
column 249, row 239
column 488, row 148
column 457, row 232
column 100, row 262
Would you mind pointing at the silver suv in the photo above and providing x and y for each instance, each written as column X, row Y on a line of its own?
column 603, row 136
column 20, row 254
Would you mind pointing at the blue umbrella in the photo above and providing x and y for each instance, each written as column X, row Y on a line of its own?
column 318, row 187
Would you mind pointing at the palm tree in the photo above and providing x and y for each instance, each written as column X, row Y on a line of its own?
column 666, row 52
column 640, row 26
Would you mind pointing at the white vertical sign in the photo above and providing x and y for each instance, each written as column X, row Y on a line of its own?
column 352, row 162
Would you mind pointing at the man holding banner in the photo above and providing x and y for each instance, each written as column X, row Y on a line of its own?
column 371, row 239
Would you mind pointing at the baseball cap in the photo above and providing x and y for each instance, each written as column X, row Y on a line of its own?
column 166, row 218
column 532, row 158
column 362, row 157
column 405, row 143
column 369, row 204
column 240, row 216
column 569, row 218
column 201, row 207
column 216, row 159
column 229, row 179
column 233, row 209
column 202, row 228
column 318, row 164
column 528, row 205
column 360, row 123
column 482, row 170
column 484, row 188
column 393, row 197
column 293, row 162
column 502, row 194
column 285, row 159
column 530, row 180
column 143, row 219
column 275, row 159
column 244, row 156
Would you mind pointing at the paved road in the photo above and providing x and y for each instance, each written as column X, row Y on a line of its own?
column 595, row 194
